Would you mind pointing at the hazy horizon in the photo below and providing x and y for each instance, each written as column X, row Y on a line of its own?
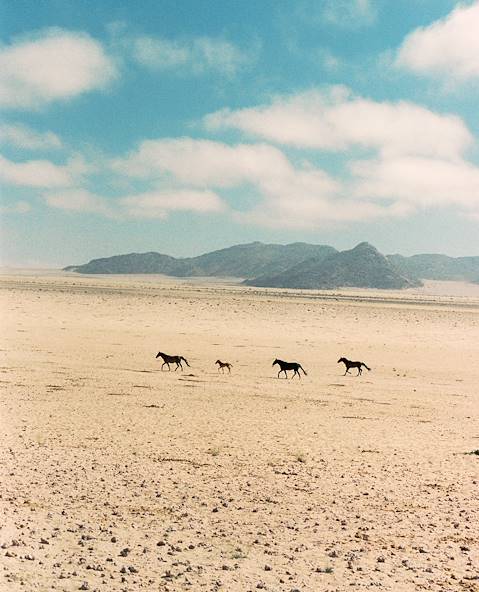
column 52, row 267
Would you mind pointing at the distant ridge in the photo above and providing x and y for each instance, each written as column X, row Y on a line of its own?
column 296, row 265
column 243, row 261
column 361, row 267
column 438, row 267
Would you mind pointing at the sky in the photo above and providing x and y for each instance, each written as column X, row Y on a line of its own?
column 191, row 125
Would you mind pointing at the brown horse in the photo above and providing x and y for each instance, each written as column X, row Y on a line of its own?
column 350, row 364
column 289, row 366
column 171, row 360
column 223, row 365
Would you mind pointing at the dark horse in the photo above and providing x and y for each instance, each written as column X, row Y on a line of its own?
column 172, row 360
column 289, row 366
column 223, row 365
column 350, row 364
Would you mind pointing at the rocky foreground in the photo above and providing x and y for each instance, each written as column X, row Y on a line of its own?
column 118, row 477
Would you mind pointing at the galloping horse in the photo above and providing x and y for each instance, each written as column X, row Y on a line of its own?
column 223, row 365
column 350, row 364
column 172, row 360
column 289, row 366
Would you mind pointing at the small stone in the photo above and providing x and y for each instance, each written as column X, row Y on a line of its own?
column 84, row 586
column 113, row 539
column 44, row 541
column 124, row 552
column 132, row 569
column 381, row 559
column 267, row 568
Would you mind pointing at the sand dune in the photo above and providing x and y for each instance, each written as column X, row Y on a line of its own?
column 116, row 476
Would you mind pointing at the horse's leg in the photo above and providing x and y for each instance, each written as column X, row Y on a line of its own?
column 229, row 369
column 346, row 371
column 359, row 370
column 162, row 366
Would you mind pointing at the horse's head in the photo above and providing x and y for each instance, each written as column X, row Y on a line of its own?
column 158, row 354
column 217, row 362
column 275, row 362
column 341, row 360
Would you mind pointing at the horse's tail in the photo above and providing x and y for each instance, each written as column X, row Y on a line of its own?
column 185, row 361
column 367, row 367
column 305, row 373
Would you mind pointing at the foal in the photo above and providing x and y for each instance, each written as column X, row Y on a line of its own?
column 171, row 360
column 223, row 365
column 350, row 364
column 289, row 366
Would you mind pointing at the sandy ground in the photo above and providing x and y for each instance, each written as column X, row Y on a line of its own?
column 116, row 476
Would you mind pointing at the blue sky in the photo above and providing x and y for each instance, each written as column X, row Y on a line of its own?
column 186, row 126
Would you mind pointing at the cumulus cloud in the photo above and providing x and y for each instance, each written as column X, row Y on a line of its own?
column 153, row 204
column 197, row 55
column 78, row 200
column 418, row 181
column 34, row 173
column 54, row 65
column 21, row 136
column 448, row 47
column 290, row 196
column 203, row 162
column 337, row 120
column 157, row 204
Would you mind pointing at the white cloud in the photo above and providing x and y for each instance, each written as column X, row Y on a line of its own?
column 157, row 204
column 336, row 120
column 78, row 200
column 290, row 196
column 21, row 136
column 151, row 204
column 34, row 173
column 55, row 65
column 203, row 162
column 448, row 47
column 417, row 181
column 198, row 55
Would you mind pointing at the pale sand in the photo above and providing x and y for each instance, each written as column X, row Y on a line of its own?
column 238, row 482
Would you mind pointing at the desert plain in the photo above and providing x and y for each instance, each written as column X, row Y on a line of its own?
column 116, row 476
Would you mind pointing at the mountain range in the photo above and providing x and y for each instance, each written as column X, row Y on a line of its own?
column 297, row 265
